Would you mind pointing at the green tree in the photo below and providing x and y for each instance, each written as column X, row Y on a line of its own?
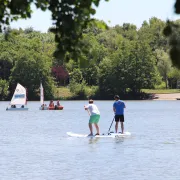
column 164, row 65
column 4, row 85
column 174, row 78
column 70, row 17
column 131, row 67
column 29, row 70
column 152, row 32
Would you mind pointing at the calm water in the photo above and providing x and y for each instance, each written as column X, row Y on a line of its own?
column 34, row 144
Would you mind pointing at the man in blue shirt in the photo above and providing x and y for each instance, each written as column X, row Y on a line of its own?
column 118, row 108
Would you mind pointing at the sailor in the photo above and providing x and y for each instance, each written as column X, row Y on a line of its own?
column 51, row 104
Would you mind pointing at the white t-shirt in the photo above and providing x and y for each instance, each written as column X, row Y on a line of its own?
column 93, row 109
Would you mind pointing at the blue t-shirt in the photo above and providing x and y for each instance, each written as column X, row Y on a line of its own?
column 119, row 107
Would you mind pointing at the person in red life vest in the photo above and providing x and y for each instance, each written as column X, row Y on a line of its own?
column 51, row 105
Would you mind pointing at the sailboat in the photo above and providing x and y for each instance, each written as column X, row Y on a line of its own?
column 19, row 99
column 43, row 106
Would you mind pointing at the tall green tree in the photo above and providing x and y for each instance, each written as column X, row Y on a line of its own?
column 70, row 17
column 164, row 65
column 4, row 85
column 30, row 69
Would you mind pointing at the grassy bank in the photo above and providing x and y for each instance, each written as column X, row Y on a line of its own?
column 64, row 93
column 161, row 91
column 79, row 93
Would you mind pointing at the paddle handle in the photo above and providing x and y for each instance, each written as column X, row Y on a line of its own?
column 87, row 110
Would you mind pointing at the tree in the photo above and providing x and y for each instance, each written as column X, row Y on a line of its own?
column 29, row 70
column 164, row 65
column 153, row 33
column 60, row 74
column 70, row 17
column 172, row 30
column 130, row 68
column 31, row 61
column 174, row 78
column 4, row 85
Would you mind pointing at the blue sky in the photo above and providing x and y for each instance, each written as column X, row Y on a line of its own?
column 114, row 12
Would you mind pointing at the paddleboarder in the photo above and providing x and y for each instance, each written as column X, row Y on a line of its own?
column 118, row 108
column 94, row 116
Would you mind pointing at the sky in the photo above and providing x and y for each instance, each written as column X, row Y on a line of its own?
column 114, row 12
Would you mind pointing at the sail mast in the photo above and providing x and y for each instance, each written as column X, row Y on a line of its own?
column 41, row 94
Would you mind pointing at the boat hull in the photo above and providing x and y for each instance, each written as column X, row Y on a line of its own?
column 17, row 109
column 51, row 108
column 43, row 108
column 56, row 108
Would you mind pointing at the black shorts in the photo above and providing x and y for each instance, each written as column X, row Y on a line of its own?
column 119, row 118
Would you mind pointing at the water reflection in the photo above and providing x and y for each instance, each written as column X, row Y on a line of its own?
column 119, row 139
column 93, row 140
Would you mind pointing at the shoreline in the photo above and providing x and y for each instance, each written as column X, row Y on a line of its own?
column 172, row 96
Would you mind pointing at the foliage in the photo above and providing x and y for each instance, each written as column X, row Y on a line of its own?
column 91, row 92
column 118, row 60
column 172, row 31
column 161, row 91
column 76, row 76
column 70, row 17
column 33, row 68
column 29, row 61
column 164, row 66
column 78, row 89
column 60, row 74
column 63, row 93
column 4, row 85
column 130, row 67
column 174, row 78
column 162, row 85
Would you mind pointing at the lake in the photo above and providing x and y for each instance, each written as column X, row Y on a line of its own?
column 34, row 144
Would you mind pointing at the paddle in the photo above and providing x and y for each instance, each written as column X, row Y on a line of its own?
column 110, row 126
column 87, row 110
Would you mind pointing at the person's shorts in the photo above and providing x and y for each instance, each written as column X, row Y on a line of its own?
column 119, row 118
column 94, row 119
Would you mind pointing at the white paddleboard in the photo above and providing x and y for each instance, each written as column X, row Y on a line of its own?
column 111, row 135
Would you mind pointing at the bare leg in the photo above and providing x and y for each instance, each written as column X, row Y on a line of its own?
column 122, row 127
column 90, row 128
column 116, row 127
column 97, row 128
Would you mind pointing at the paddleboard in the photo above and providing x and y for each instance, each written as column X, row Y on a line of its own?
column 111, row 135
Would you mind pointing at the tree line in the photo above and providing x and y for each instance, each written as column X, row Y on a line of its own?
column 109, row 60
column 70, row 18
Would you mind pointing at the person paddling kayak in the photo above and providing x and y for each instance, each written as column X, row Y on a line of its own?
column 94, row 116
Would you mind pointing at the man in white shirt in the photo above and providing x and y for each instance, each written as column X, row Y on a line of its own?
column 94, row 116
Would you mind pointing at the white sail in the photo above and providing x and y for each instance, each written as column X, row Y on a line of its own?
column 41, row 94
column 19, row 96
